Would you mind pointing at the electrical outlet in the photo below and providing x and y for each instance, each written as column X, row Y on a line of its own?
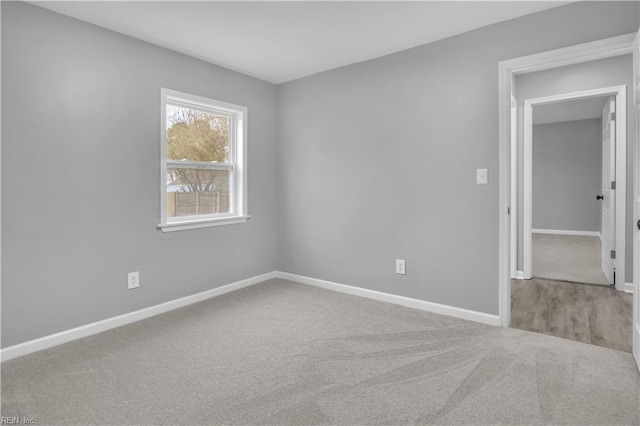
column 482, row 176
column 400, row 267
column 134, row 279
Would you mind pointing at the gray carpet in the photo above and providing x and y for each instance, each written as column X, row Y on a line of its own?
column 285, row 353
column 576, row 258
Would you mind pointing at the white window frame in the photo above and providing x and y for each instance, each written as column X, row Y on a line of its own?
column 236, row 165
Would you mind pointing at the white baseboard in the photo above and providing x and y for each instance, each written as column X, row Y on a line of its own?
column 519, row 275
column 395, row 299
column 565, row 232
column 636, row 350
column 109, row 323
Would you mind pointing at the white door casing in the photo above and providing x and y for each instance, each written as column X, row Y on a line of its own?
column 608, row 194
column 513, row 209
column 507, row 69
column 636, row 204
column 618, row 168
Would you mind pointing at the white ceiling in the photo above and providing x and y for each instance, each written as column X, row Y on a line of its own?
column 580, row 109
column 283, row 41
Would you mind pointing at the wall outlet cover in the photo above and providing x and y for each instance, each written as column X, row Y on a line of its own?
column 133, row 280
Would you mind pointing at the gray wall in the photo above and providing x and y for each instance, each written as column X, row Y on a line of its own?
column 590, row 75
column 370, row 162
column 377, row 160
column 80, row 170
column 567, row 175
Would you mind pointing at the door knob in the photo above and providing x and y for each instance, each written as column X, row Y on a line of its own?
column 599, row 197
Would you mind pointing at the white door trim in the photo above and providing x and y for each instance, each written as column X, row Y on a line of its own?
column 615, row 46
column 566, row 232
column 513, row 128
column 620, row 93
column 636, row 205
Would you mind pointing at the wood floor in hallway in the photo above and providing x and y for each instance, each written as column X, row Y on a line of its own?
column 586, row 313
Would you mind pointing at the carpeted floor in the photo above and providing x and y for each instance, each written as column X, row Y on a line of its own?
column 285, row 353
column 576, row 258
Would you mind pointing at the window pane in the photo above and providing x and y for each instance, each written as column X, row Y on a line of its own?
column 197, row 136
column 192, row 192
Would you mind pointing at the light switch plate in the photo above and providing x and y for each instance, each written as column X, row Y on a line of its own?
column 482, row 176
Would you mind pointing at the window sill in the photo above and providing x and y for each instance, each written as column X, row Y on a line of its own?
column 201, row 223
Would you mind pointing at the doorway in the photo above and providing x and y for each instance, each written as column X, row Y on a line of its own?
column 571, row 244
column 573, row 148
column 567, row 191
column 508, row 69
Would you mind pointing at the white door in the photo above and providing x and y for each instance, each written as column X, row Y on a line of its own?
column 636, row 204
column 608, row 195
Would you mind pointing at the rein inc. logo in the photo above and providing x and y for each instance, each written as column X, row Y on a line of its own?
column 6, row 420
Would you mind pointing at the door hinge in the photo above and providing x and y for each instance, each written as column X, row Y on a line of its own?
column 613, row 116
column 613, row 184
column 613, row 254
column 509, row 211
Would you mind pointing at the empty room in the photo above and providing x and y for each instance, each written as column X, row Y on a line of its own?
column 319, row 212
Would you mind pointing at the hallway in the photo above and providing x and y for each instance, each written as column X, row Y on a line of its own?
column 575, row 258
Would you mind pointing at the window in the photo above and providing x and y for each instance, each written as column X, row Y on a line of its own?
column 203, row 176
